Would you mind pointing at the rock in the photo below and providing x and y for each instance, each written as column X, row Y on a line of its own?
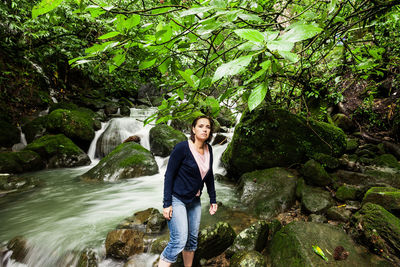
column 247, row 258
column 128, row 160
column 315, row 200
column 58, row 151
column 14, row 184
column 353, row 206
column 292, row 246
column 78, row 125
column 35, row 129
column 326, row 161
column 18, row 245
column 387, row 197
column 387, row 160
column 369, row 178
column 214, row 240
column 315, row 174
column 87, row 258
column 125, row 111
column 9, row 134
column 149, row 221
column 123, row 243
column 21, row 161
column 149, row 94
column 351, row 144
column 219, row 139
column 268, row 192
column 349, row 192
column 343, row 122
column 269, row 137
column 300, row 187
column 111, row 108
column 378, row 228
column 338, row 214
column 317, row 218
column 63, row 105
column 133, row 138
column 252, row 238
column 226, row 117
column 163, row 139
column 159, row 244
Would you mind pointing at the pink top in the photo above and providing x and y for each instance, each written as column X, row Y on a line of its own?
column 203, row 161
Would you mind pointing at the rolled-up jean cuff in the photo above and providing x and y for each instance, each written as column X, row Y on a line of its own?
column 165, row 259
column 190, row 248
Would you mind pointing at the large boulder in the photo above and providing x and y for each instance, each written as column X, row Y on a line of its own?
column 247, row 258
column 369, row 178
column 292, row 246
column 123, row 243
column 315, row 174
column 21, row 161
column 214, row 240
column 387, row 197
column 252, row 238
column 163, row 138
column 147, row 221
column 315, row 200
column 128, row 160
column 269, row 137
column 77, row 125
column 378, row 228
column 58, row 151
column 35, row 128
column 14, row 184
column 9, row 134
column 268, row 192
column 349, row 192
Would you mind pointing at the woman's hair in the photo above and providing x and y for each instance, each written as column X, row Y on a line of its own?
column 194, row 125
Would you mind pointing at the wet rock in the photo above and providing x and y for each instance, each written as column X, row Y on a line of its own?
column 87, row 258
column 111, row 108
column 214, row 240
column 13, row 184
column 352, row 145
column 317, row 218
column 9, row 134
column 349, row 192
column 387, row 197
column 21, row 161
column 316, row 200
column 123, row 243
column 326, row 161
column 58, row 151
column 128, row 160
column 268, row 192
column 247, row 258
column 379, row 229
column 125, row 111
column 219, row 139
column 369, row 178
column 338, row 214
column 133, row 138
column 285, row 139
column 159, row 244
column 252, row 238
column 292, row 246
column 315, row 174
column 35, row 129
column 353, row 206
column 163, row 138
column 149, row 221
column 18, row 245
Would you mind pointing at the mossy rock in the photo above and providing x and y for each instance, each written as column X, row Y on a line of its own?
column 315, row 174
column 124, row 243
column 9, row 134
column 378, row 228
column 226, row 117
column 159, row 244
column 128, row 160
column 315, row 200
column 387, row 160
column 14, row 184
column 21, row 161
column 270, row 137
column 63, row 105
column 35, row 128
column 387, row 197
column 268, row 192
column 75, row 124
column 338, row 214
column 247, row 258
column 369, row 178
column 58, row 151
column 327, row 161
column 163, row 138
column 351, row 144
column 349, row 192
column 343, row 122
column 149, row 221
column 292, row 246
column 252, row 238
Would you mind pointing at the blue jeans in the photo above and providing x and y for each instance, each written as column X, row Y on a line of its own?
column 183, row 228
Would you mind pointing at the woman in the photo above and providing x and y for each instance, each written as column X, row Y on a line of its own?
column 189, row 167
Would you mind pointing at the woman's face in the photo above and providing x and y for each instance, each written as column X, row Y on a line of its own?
column 202, row 129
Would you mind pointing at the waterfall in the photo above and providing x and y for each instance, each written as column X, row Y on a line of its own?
column 22, row 143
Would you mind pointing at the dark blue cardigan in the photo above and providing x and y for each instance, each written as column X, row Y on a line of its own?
column 183, row 179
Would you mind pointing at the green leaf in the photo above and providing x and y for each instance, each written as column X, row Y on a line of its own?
column 164, row 119
column 292, row 57
column 146, row 64
column 45, row 6
column 186, row 75
column 255, row 76
column 266, row 64
column 163, row 68
column 195, row 10
column 132, row 21
column 232, row 68
column 257, row 95
column 280, row 45
column 180, row 93
column 299, row 32
column 213, row 104
column 108, row 35
column 270, row 36
column 251, row 46
column 250, row 17
column 251, row 35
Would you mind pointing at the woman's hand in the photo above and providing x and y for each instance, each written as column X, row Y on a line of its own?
column 167, row 213
column 213, row 208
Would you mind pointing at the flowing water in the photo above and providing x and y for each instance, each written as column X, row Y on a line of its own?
column 66, row 215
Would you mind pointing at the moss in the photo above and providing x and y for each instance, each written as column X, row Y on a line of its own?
column 136, row 159
column 351, row 145
column 49, row 145
column 163, row 138
column 387, row 160
column 18, row 162
column 387, row 197
column 348, row 192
